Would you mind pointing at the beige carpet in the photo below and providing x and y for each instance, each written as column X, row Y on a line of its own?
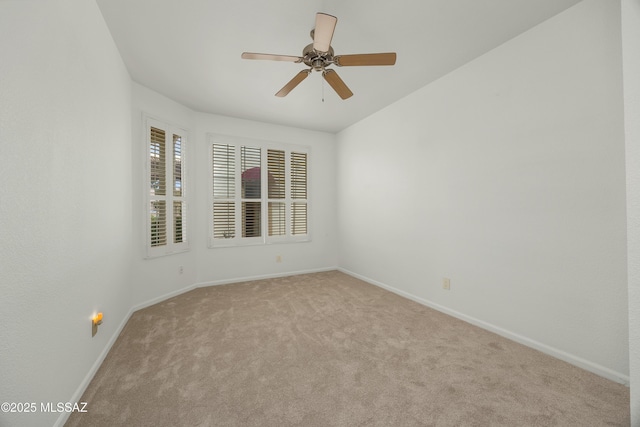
column 326, row 349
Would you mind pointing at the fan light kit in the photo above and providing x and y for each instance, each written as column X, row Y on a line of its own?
column 319, row 55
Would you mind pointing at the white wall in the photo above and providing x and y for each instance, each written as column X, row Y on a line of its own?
column 507, row 176
column 631, row 69
column 224, row 264
column 65, row 199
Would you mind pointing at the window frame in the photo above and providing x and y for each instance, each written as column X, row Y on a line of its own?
column 264, row 238
column 171, row 247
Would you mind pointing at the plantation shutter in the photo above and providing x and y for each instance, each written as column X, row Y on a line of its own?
column 178, row 202
column 177, row 165
column 158, row 230
column 158, row 184
column 276, row 189
column 224, row 190
column 166, row 203
column 299, row 202
column 251, row 175
column 258, row 192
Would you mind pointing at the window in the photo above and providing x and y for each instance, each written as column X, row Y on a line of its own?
column 166, row 206
column 259, row 192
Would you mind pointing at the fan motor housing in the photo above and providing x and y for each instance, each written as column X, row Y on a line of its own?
column 317, row 60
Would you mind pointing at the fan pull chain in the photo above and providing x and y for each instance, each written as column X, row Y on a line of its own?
column 322, row 88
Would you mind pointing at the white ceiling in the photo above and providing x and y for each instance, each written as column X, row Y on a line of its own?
column 189, row 50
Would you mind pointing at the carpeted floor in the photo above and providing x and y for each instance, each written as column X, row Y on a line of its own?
column 326, row 349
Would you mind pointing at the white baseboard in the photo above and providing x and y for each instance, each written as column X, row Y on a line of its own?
column 64, row 416
column 551, row 351
column 264, row 276
column 177, row 292
column 163, row 297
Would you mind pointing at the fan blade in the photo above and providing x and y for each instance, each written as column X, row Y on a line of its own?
column 365, row 59
column 293, row 83
column 250, row 55
column 323, row 32
column 337, row 84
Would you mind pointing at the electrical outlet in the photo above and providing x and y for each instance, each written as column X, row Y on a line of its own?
column 446, row 283
column 181, row 269
column 278, row 258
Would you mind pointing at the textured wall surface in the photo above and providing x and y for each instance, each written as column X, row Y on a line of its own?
column 506, row 176
column 65, row 199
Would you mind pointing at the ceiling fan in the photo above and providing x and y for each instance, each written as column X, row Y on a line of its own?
column 319, row 55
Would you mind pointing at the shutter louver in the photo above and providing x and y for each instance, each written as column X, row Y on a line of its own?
column 298, row 218
column 275, row 169
column 177, row 165
column 298, row 175
column 277, row 218
column 224, row 220
column 178, row 225
column 157, row 157
column 158, row 230
column 224, row 161
column 251, row 174
column 251, row 221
